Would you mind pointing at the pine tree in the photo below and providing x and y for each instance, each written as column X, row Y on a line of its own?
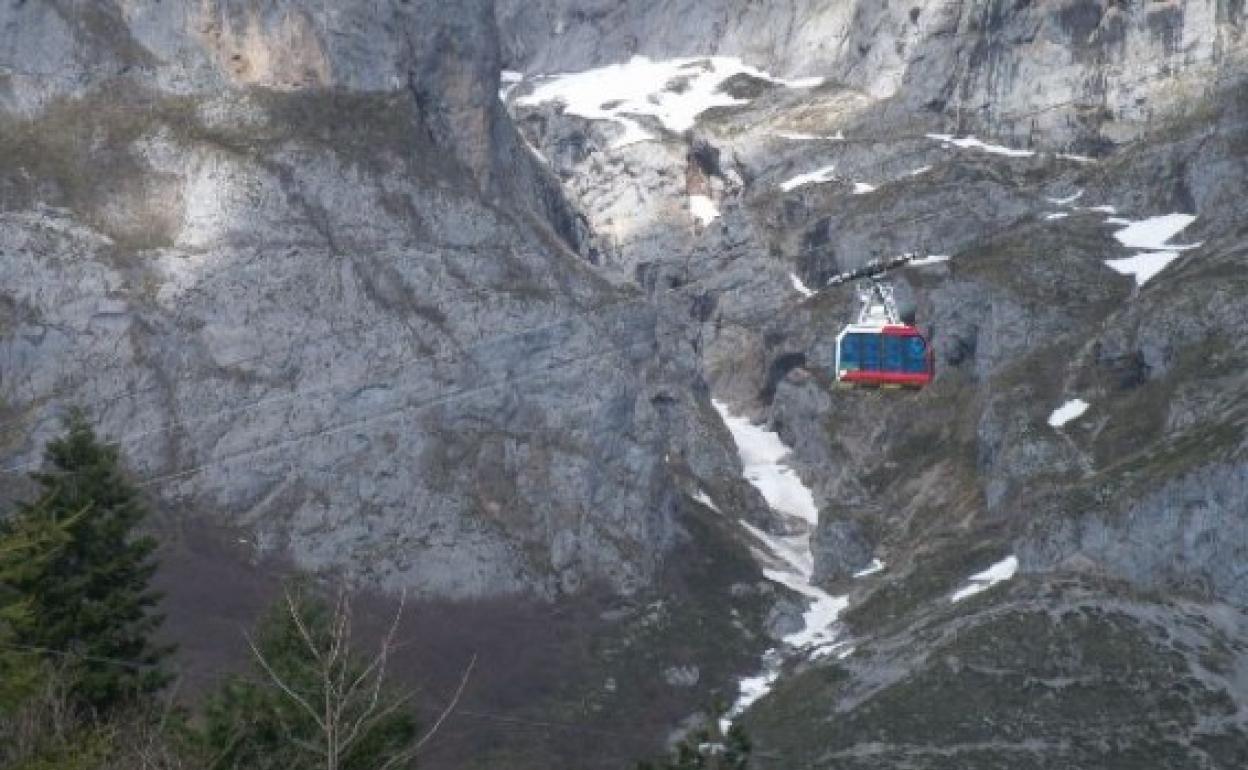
column 28, row 544
column 88, row 604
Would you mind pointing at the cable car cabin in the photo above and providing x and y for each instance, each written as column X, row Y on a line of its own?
column 894, row 354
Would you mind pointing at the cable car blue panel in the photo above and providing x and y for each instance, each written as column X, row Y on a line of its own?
column 884, row 357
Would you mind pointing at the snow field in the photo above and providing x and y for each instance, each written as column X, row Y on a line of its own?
column 674, row 91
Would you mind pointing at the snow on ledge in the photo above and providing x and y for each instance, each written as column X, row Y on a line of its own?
column 930, row 259
column 862, row 188
column 703, row 209
column 971, row 143
column 800, row 287
column 1071, row 410
column 982, row 581
column 818, row 176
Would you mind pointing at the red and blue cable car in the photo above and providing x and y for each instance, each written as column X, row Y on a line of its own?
column 879, row 349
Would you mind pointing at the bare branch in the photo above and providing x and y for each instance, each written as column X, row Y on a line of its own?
column 282, row 685
column 378, row 665
column 303, row 630
column 463, row 683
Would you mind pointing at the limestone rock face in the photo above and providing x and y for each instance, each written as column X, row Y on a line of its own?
column 294, row 258
column 1032, row 71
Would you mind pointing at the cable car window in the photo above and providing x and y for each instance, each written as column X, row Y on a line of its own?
column 870, row 351
column 916, row 355
column 892, row 354
column 850, row 358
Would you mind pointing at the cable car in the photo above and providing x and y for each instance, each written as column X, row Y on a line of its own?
column 879, row 349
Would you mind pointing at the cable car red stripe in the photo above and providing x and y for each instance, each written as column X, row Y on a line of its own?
column 887, row 378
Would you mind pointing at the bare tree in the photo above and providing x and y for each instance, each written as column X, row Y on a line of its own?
column 349, row 698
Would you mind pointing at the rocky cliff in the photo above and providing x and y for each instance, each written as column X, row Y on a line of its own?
column 296, row 261
column 336, row 298
column 1086, row 426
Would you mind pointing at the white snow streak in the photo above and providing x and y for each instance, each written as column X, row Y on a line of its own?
column 1071, row 410
column 930, row 259
column 761, row 454
column 862, row 188
column 1057, row 215
column 971, row 143
column 818, row 176
column 997, row 573
column 875, row 566
column 1076, row 158
column 800, row 287
column 703, row 209
column 798, row 136
column 1067, row 200
column 787, row 560
column 675, row 91
column 705, row 499
column 918, row 171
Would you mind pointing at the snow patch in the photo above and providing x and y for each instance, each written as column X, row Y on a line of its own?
column 1143, row 266
column 1152, row 233
column 997, row 573
column 762, row 453
column 862, row 188
column 1071, row 410
column 800, row 287
column 875, row 566
column 1057, row 215
column 1076, row 158
column 818, row 176
column 703, row 209
column 971, row 143
column 919, row 171
column 675, row 91
column 930, row 259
